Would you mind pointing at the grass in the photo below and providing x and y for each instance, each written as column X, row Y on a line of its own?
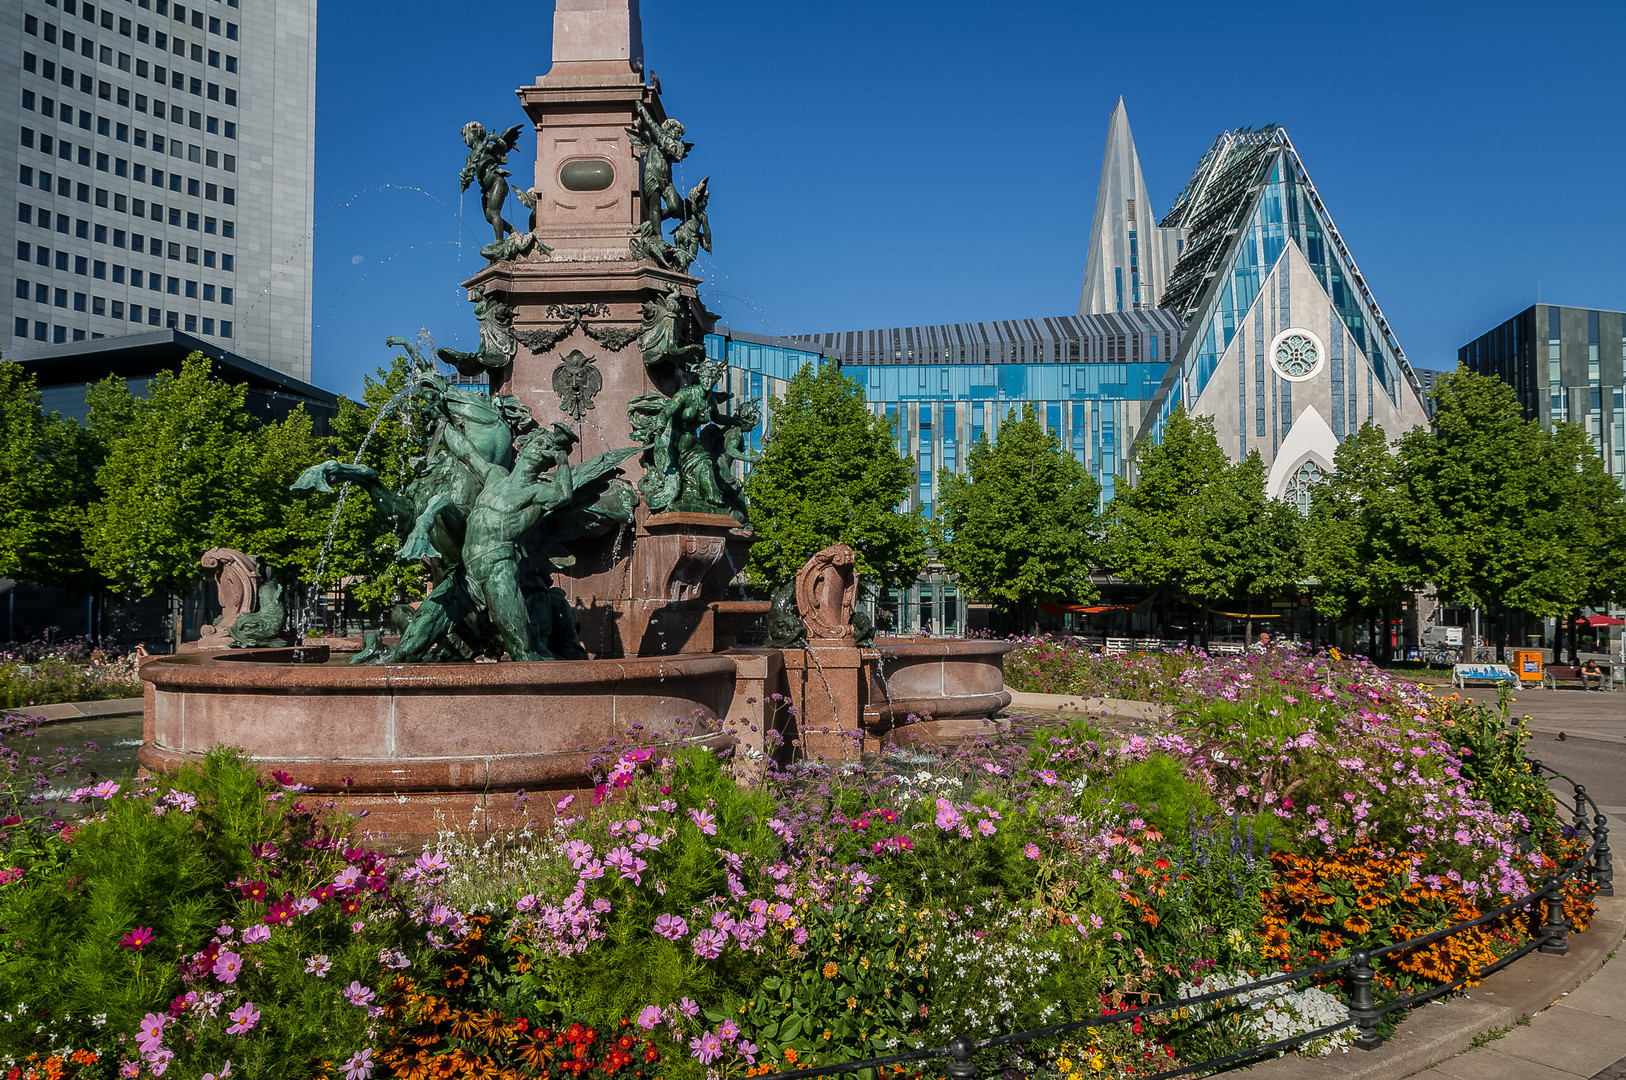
column 1485, row 1038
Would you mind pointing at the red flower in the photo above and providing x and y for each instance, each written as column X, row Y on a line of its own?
column 136, row 938
column 282, row 911
column 254, row 890
column 350, row 905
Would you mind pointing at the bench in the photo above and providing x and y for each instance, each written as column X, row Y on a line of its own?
column 1462, row 674
column 1553, row 674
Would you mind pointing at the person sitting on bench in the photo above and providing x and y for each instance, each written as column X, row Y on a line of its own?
column 1591, row 676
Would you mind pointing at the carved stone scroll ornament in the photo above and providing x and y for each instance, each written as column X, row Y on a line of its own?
column 576, row 379
column 237, row 577
column 826, row 590
column 575, row 316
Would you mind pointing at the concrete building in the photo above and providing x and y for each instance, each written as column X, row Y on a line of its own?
column 1565, row 363
column 160, row 157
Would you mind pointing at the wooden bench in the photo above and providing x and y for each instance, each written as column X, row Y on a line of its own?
column 1462, row 674
column 1553, row 674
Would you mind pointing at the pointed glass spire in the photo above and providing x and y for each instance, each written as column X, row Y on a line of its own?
column 1129, row 258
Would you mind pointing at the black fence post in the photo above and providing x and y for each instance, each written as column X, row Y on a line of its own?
column 960, row 1066
column 1361, row 1009
column 1582, row 820
column 1603, row 867
column 1555, row 929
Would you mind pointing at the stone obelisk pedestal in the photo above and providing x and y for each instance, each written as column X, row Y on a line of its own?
column 650, row 590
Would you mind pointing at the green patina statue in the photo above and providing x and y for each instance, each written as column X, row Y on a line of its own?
column 661, row 146
column 688, row 443
column 490, row 525
column 261, row 628
column 485, row 166
column 667, row 334
column 498, row 343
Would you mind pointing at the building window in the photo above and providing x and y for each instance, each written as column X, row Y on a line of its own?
column 209, row 326
column 191, row 324
column 225, row 328
column 1302, row 484
column 20, row 327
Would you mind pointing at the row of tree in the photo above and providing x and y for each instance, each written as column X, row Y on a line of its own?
column 1488, row 509
column 128, row 501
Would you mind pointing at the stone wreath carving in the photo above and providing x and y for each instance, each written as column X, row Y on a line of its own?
column 575, row 316
column 826, row 590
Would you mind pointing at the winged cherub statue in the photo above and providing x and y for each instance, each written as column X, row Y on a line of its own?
column 485, row 166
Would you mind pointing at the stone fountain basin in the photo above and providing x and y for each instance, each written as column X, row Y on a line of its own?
column 944, row 685
column 422, row 728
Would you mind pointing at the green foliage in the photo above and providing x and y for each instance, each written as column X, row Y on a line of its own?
column 1493, row 761
column 831, row 473
column 47, row 469
column 1351, row 546
column 214, row 851
column 1023, row 523
column 1161, row 793
column 55, row 679
column 1198, row 525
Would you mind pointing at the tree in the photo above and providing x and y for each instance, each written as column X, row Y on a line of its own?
column 1198, row 526
column 831, row 473
column 1023, row 524
column 179, row 478
column 1471, row 502
column 1351, row 544
column 23, row 509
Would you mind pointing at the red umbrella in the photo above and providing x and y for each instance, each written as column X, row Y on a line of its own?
column 1599, row 620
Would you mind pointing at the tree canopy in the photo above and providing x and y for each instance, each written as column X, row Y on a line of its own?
column 1352, row 546
column 831, row 472
column 1023, row 524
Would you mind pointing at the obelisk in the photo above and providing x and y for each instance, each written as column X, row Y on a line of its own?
column 599, row 319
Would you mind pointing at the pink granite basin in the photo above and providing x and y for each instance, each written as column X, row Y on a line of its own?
column 935, row 680
column 420, row 728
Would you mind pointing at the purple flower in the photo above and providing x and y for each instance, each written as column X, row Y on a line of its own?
column 986, row 827
column 152, row 1032
column 318, row 965
column 708, row 1047
column 703, row 818
column 748, row 1050
column 671, row 927
column 650, row 1016
column 688, row 1008
column 579, row 852
column 106, row 789
column 244, row 1017
column 256, row 934
column 360, row 1065
column 227, row 965
column 708, row 944
column 729, row 1031
column 627, row 863
column 357, row 994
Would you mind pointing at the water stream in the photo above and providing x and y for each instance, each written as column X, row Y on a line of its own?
column 314, row 599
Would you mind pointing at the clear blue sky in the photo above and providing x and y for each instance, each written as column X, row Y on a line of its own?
column 898, row 162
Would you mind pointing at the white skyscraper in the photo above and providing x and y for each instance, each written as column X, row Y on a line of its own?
column 1130, row 258
column 161, row 159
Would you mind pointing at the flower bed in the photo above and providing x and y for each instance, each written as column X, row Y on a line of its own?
column 40, row 673
column 679, row 924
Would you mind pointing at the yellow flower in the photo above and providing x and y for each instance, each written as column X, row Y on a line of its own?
column 852, row 1003
column 1097, row 1064
column 830, row 970
column 1064, row 1065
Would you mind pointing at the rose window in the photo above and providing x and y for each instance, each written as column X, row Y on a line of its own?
column 1296, row 355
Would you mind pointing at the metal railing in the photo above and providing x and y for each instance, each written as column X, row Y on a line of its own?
column 1365, row 1015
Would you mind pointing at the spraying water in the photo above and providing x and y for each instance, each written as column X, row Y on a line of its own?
column 402, row 399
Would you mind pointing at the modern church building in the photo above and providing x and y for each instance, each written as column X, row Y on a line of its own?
column 1242, row 303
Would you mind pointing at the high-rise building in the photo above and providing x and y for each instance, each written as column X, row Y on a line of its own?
column 1565, row 363
column 1130, row 257
column 160, row 157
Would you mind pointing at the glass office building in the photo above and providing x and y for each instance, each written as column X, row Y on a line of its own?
column 1565, row 363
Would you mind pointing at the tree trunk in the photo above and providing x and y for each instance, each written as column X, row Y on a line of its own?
column 1575, row 634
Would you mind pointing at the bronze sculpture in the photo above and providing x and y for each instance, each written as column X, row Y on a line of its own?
column 488, row 154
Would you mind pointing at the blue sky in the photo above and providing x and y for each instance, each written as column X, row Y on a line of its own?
column 894, row 162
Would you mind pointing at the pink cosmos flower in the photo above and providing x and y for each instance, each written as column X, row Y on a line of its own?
column 244, row 1018
column 748, row 1050
column 579, row 852
column 708, row 1047
column 708, row 944
column 227, row 965
column 360, row 1065
column 947, row 817
column 129, row 1070
column 630, row 865
column 106, row 789
column 526, row 902
column 688, row 1008
column 318, row 965
column 280, row 912
column 704, row 820
column 136, row 938
column 222, row 1074
column 151, row 1036
column 357, row 994
column 986, row 827
column 729, row 1031
column 650, row 1016
column 1031, row 851
column 347, row 877
column 671, row 927
column 253, row 935
column 158, row 1061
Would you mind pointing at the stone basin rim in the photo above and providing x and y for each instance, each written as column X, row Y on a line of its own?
column 200, row 671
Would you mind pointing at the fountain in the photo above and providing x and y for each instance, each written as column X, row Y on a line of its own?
column 579, row 522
